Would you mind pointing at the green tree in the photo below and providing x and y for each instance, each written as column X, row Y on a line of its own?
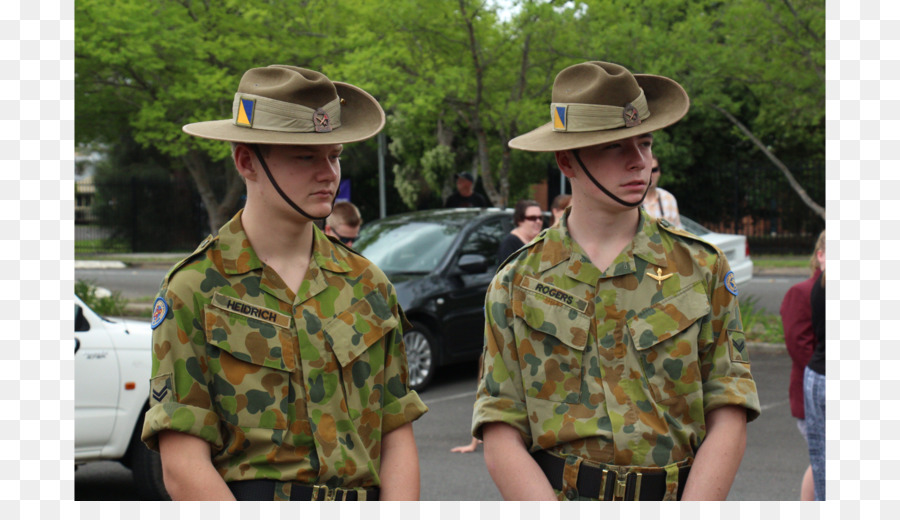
column 458, row 84
column 147, row 67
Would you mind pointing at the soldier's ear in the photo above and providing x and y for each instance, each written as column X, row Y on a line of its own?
column 245, row 162
column 564, row 160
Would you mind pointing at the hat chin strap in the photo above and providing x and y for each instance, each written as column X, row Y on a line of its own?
column 284, row 196
column 604, row 190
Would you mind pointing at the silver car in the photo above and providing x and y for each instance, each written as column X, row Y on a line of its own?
column 735, row 247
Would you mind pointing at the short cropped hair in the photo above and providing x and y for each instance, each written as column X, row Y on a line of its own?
column 521, row 207
column 561, row 202
column 344, row 213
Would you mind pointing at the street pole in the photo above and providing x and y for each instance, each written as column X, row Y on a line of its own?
column 382, row 205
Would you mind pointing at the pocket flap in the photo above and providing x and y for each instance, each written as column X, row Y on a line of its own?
column 668, row 317
column 249, row 340
column 551, row 317
column 359, row 327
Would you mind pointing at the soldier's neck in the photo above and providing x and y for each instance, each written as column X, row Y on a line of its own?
column 602, row 234
column 284, row 244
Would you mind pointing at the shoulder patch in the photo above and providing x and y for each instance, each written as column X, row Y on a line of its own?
column 729, row 283
column 160, row 309
column 207, row 242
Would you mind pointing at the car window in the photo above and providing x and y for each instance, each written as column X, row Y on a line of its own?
column 692, row 227
column 81, row 323
column 411, row 247
column 485, row 239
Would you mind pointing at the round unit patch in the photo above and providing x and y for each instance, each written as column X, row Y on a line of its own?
column 160, row 309
column 729, row 283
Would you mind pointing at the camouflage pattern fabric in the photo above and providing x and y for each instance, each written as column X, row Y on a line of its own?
column 613, row 367
column 293, row 387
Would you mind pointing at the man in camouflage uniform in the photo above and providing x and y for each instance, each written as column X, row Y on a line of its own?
column 614, row 365
column 279, row 370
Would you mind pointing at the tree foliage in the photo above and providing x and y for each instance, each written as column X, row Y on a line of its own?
column 457, row 78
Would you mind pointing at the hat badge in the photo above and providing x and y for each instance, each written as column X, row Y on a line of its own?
column 631, row 116
column 321, row 121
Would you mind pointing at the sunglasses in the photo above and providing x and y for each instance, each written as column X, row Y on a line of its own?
column 345, row 240
column 534, row 218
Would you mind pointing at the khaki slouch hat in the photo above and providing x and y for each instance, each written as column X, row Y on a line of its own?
column 287, row 105
column 599, row 102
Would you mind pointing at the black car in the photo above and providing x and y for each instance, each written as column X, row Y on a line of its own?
column 441, row 262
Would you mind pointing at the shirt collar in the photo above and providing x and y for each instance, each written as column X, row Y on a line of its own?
column 238, row 257
column 559, row 247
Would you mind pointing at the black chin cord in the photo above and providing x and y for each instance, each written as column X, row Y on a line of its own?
column 284, row 196
column 604, row 190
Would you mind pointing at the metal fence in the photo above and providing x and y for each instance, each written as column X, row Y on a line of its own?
column 137, row 215
column 753, row 200
column 756, row 200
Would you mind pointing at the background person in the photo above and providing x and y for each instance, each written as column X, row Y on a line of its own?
column 814, row 384
column 465, row 195
column 558, row 207
column 660, row 203
column 800, row 340
column 599, row 353
column 529, row 220
column 344, row 222
column 252, row 332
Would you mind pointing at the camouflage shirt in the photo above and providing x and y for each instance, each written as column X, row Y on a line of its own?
column 614, row 367
column 293, row 387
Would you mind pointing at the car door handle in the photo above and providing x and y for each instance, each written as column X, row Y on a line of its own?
column 77, row 345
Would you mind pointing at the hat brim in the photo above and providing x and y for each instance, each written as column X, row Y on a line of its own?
column 361, row 118
column 666, row 100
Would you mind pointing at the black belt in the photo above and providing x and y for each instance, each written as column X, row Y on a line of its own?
column 633, row 485
column 264, row 490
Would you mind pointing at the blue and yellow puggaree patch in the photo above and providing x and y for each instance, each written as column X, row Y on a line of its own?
column 160, row 309
column 559, row 118
column 729, row 283
column 245, row 112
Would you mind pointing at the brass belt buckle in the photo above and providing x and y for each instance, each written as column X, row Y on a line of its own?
column 329, row 495
column 622, row 486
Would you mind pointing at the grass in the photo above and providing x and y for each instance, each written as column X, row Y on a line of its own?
column 100, row 244
column 770, row 261
column 760, row 326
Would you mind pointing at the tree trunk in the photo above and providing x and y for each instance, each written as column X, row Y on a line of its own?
column 819, row 210
column 217, row 211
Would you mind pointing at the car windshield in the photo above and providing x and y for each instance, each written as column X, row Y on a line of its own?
column 406, row 247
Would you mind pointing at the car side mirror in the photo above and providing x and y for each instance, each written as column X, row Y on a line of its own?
column 473, row 263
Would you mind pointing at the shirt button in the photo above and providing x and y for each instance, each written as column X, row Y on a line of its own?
column 571, row 494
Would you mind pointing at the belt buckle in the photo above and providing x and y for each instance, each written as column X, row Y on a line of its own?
column 621, row 485
column 329, row 493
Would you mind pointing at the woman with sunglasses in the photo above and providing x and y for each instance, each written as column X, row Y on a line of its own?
column 529, row 220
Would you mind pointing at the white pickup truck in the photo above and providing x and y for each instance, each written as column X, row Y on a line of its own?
column 112, row 381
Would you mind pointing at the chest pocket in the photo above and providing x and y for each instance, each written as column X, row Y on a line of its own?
column 355, row 337
column 250, row 361
column 665, row 338
column 551, row 342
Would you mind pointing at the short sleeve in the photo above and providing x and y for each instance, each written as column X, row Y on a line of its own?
column 724, row 356
column 401, row 404
column 179, row 393
column 500, row 396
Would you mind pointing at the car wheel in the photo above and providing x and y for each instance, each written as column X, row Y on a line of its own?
column 146, row 469
column 421, row 356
